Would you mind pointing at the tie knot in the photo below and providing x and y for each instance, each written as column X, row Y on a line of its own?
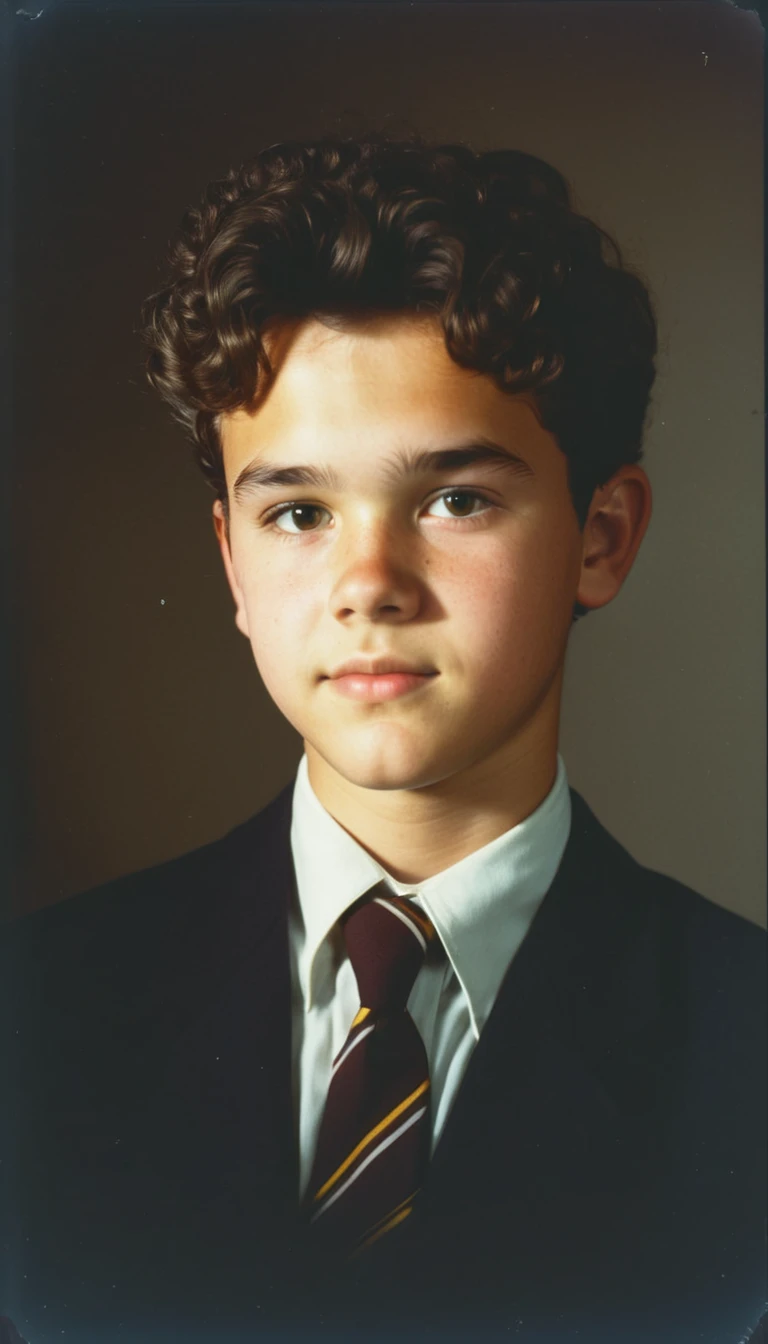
column 386, row 939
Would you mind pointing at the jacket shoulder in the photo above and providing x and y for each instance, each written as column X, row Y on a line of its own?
column 175, row 888
column 129, row 947
column 708, row 964
column 672, row 900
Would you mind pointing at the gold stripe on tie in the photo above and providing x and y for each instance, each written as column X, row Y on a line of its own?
column 377, row 1226
column 392, row 1222
column 361, row 1016
column 414, row 913
column 370, row 1136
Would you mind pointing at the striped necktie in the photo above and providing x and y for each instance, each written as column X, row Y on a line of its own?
column 374, row 1140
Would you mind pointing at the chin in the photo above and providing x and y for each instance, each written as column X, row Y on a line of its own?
column 388, row 770
column 385, row 780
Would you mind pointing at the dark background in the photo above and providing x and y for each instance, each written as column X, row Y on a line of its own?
column 140, row 728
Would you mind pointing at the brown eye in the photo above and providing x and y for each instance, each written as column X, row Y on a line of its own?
column 461, row 503
column 303, row 516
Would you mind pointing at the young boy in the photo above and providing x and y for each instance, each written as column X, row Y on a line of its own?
column 420, row 1047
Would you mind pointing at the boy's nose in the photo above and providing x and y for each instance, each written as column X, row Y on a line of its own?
column 377, row 584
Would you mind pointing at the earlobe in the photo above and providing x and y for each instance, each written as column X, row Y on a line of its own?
column 618, row 518
column 222, row 536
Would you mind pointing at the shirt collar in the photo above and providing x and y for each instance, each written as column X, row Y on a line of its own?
column 482, row 906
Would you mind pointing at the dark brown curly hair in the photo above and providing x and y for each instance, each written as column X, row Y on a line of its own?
column 526, row 289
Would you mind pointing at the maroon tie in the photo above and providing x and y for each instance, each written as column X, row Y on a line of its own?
column 374, row 1139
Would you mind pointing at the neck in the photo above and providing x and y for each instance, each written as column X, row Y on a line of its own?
column 416, row 833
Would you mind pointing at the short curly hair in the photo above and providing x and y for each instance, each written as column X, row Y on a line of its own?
column 525, row 288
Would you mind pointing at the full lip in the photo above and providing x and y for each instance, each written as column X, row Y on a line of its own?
column 377, row 667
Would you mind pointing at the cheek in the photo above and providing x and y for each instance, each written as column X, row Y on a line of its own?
column 515, row 605
column 280, row 609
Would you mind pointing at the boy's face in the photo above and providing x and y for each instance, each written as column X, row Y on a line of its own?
column 463, row 569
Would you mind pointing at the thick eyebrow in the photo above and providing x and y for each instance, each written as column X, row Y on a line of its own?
column 258, row 476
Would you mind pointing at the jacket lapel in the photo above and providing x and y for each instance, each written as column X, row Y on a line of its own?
column 553, row 1117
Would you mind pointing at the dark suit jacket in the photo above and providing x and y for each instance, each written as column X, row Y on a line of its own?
column 601, row 1175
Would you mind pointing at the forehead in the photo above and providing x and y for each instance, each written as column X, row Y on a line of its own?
column 390, row 379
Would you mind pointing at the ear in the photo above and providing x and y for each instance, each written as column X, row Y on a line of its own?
column 222, row 536
column 618, row 517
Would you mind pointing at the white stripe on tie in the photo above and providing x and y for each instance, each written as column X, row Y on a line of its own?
column 393, row 910
column 384, row 1144
column 350, row 1047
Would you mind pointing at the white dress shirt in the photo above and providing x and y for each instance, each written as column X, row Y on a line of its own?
column 481, row 907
